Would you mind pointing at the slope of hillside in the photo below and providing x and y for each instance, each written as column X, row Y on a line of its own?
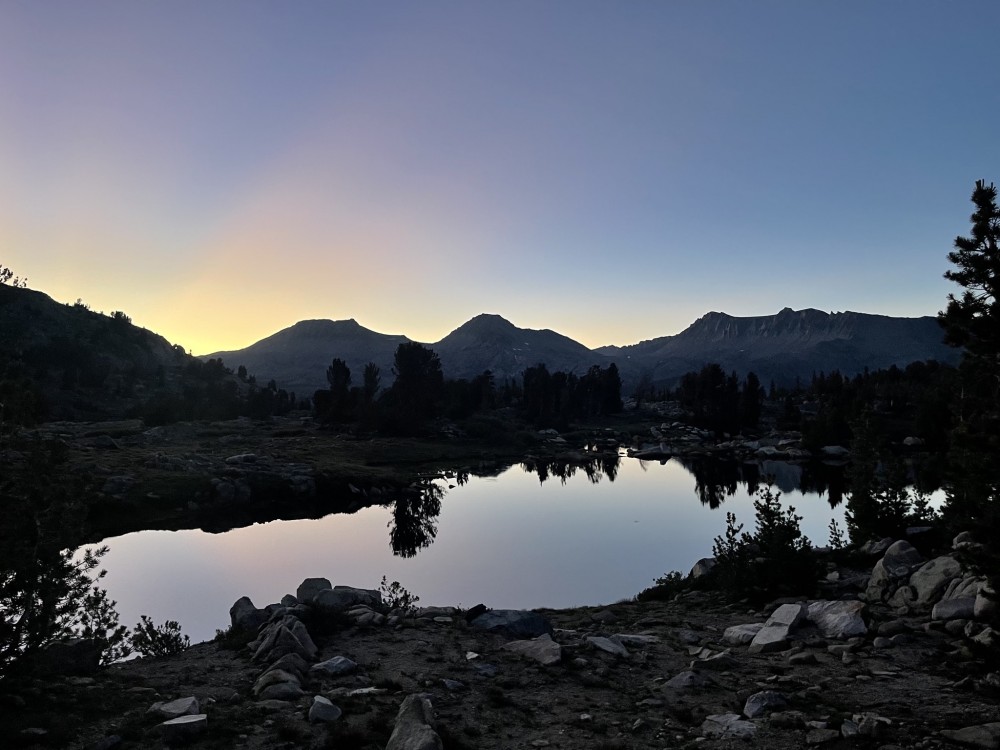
column 75, row 363
column 297, row 356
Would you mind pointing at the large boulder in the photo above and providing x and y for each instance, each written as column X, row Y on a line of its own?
column 243, row 615
column 310, row 587
column 931, row 579
column 774, row 635
column 513, row 622
column 985, row 736
column 895, row 567
column 840, row 620
column 288, row 636
column 342, row 598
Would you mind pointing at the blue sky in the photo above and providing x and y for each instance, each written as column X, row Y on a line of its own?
column 609, row 170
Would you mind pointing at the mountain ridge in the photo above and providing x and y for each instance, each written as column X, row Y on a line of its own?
column 789, row 345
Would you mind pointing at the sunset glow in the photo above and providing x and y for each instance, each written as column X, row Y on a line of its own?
column 612, row 171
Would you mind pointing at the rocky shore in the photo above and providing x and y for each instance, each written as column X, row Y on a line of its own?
column 888, row 659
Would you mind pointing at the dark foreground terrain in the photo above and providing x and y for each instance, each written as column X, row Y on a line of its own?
column 908, row 682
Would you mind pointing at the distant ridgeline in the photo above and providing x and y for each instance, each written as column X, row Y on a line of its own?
column 784, row 348
column 60, row 361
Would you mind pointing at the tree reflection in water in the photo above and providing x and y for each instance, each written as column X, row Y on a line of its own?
column 414, row 520
column 596, row 466
column 716, row 479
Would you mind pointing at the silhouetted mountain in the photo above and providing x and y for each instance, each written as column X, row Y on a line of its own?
column 297, row 356
column 792, row 344
column 62, row 361
column 783, row 347
column 489, row 342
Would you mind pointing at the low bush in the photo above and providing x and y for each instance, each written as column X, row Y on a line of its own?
column 776, row 560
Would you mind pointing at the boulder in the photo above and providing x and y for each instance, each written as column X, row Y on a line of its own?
column 963, row 539
column 243, row 615
column 787, row 614
column 986, row 736
column 839, row 620
column 414, row 727
column 513, row 622
column 895, row 567
column 274, row 677
column 773, row 636
column 685, row 681
column 703, row 567
column 764, row 702
column 932, row 578
column 740, row 635
column 876, row 547
column 986, row 604
column 542, row 649
column 954, row 609
column 287, row 637
column 335, row 667
column 310, row 587
column 292, row 663
column 342, row 598
column 174, row 709
column 183, row 728
column 323, row 710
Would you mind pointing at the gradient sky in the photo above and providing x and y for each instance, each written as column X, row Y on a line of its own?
column 611, row 170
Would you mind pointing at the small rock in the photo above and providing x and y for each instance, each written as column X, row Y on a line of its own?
column 608, row 645
column 174, row 709
column 542, row 649
column 764, row 702
column 821, row 736
column 686, row 681
column 727, row 725
column 335, row 667
column 183, row 728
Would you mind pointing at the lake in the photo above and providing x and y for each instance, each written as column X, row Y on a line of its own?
column 509, row 541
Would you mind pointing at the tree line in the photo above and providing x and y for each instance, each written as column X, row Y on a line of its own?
column 420, row 393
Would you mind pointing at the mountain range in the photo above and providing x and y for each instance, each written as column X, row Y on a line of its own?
column 790, row 345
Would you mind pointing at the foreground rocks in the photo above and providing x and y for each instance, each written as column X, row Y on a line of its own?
column 684, row 673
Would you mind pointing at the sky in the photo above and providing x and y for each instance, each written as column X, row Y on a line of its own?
column 609, row 170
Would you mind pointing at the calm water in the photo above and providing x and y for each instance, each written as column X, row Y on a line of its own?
column 509, row 541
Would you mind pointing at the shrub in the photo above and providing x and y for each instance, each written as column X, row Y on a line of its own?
column 395, row 596
column 664, row 588
column 776, row 560
column 158, row 640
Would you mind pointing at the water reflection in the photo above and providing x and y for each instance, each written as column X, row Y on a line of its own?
column 595, row 466
column 413, row 525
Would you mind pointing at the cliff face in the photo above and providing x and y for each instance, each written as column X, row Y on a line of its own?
column 791, row 344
